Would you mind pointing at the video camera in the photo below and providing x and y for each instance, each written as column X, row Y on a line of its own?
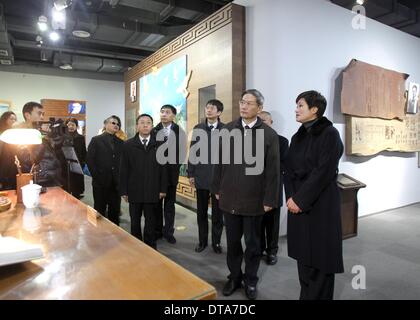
column 52, row 128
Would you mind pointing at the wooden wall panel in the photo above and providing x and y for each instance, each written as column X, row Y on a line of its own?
column 215, row 50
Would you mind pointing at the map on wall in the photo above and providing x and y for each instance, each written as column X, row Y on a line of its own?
column 166, row 85
column 372, row 91
column 369, row 136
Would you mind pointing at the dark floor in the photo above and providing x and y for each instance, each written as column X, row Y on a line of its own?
column 387, row 246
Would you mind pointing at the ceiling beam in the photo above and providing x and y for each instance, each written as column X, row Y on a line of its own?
column 67, row 49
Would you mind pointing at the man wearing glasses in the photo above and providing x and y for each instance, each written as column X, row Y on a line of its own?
column 245, row 196
column 103, row 160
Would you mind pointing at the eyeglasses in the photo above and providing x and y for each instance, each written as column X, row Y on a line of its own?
column 246, row 103
column 115, row 123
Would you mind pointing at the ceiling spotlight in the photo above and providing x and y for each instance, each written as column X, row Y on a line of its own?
column 54, row 36
column 62, row 4
column 361, row 2
column 42, row 23
column 58, row 16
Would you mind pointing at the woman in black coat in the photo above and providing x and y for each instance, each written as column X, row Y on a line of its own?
column 73, row 139
column 314, row 219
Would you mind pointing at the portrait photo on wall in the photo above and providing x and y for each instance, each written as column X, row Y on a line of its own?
column 133, row 91
column 413, row 98
column 76, row 108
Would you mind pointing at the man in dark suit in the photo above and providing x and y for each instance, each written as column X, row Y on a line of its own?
column 103, row 160
column 271, row 221
column 143, row 181
column 173, row 136
column 200, row 173
column 246, row 190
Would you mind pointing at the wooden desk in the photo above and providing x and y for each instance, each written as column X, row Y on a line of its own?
column 88, row 258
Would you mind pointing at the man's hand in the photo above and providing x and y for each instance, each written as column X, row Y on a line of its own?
column 267, row 208
column 125, row 198
column 292, row 206
column 162, row 195
column 192, row 182
column 217, row 196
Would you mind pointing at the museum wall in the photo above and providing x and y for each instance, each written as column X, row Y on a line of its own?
column 293, row 46
column 103, row 98
column 215, row 56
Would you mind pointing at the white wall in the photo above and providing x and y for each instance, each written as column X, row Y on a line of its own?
column 298, row 45
column 103, row 98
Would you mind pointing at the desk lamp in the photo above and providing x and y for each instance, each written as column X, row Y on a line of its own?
column 21, row 137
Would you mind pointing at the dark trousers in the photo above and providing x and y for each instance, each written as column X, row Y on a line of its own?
column 314, row 284
column 270, row 228
column 136, row 210
column 202, row 217
column 250, row 228
column 107, row 202
column 168, row 204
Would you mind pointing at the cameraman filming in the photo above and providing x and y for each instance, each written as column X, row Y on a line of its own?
column 47, row 167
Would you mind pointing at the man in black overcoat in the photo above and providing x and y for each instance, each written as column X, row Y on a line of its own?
column 200, row 175
column 245, row 195
column 103, row 160
column 270, row 226
column 174, row 136
column 143, row 181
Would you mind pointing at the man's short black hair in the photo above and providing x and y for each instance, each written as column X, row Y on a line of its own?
column 217, row 103
column 29, row 107
column 169, row 106
column 144, row 115
column 314, row 99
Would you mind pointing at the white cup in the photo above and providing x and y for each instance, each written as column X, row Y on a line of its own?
column 30, row 195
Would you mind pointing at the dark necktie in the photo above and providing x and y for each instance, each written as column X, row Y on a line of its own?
column 246, row 128
column 144, row 143
column 211, row 127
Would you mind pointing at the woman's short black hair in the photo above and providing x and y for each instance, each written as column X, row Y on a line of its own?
column 217, row 103
column 74, row 120
column 169, row 106
column 144, row 115
column 314, row 99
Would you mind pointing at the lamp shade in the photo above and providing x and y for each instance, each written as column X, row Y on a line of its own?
column 21, row 136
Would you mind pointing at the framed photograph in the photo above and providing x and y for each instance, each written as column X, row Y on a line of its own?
column 76, row 108
column 413, row 98
column 5, row 106
column 133, row 91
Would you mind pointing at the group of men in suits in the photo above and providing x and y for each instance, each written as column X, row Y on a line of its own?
column 248, row 205
column 131, row 170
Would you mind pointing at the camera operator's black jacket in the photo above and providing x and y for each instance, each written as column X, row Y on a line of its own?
column 48, row 167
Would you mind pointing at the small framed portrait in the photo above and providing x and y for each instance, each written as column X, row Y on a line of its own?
column 77, row 108
column 133, row 91
column 413, row 98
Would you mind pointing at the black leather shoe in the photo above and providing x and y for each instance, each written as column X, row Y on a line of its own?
column 170, row 239
column 230, row 287
column 251, row 292
column 200, row 247
column 217, row 248
column 271, row 259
